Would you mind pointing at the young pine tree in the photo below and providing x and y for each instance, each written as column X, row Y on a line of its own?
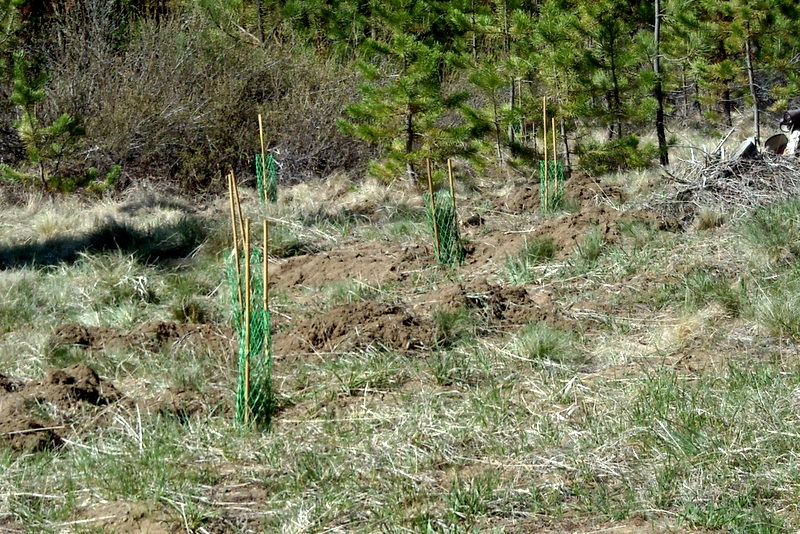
column 403, row 99
column 45, row 144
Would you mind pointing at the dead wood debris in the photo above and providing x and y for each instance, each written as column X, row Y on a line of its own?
column 733, row 188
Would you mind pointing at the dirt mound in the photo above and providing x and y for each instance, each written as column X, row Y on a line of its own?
column 580, row 189
column 185, row 404
column 570, row 231
column 34, row 415
column 153, row 336
column 129, row 518
column 507, row 305
column 566, row 233
column 355, row 325
column 373, row 262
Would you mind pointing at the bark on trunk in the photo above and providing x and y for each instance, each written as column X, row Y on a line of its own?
column 753, row 93
column 663, row 154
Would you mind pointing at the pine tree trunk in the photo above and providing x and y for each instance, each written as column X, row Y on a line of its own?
column 260, row 13
column 663, row 154
column 727, row 107
column 567, row 162
column 753, row 94
column 497, row 137
column 685, row 91
column 410, row 145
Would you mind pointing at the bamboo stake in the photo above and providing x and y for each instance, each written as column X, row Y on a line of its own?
column 238, row 203
column 263, row 157
column 433, row 207
column 555, row 155
column 266, row 266
column 452, row 185
column 231, row 186
column 248, row 295
column 544, row 139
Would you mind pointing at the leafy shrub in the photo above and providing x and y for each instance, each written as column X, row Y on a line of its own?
column 619, row 154
column 178, row 98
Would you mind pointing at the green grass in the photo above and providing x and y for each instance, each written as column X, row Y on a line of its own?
column 774, row 230
column 520, row 268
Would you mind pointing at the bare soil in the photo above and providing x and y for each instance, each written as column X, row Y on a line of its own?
column 359, row 324
column 129, row 518
column 35, row 416
column 370, row 261
column 153, row 336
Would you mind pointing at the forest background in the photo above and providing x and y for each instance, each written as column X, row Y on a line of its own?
column 100, row 93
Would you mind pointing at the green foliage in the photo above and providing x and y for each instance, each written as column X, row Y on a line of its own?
column 452, row 327
column 703, row 286
column 590, row 247
column 45, row 145
column 538, row 342
column 404, row 98
column 623, row 153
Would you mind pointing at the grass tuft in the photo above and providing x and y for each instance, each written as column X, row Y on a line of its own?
column 519, row 269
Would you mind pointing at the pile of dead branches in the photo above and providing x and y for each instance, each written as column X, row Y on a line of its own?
column 729, row 187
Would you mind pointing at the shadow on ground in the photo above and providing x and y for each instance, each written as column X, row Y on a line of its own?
column 171, row 241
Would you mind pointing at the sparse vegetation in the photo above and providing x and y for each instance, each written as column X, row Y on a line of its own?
column 626, row 362
column 519, row 269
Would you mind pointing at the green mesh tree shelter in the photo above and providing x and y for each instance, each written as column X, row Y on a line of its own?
column 444, row 228
column 254, row 404
column 270, row 170
column 551, row 186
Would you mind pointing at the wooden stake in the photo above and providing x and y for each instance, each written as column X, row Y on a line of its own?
column 433, row 206
column 266, row 266
column 544, row 139
column 553, row 129
column 452, row 185
column 263, row 157
column 248, row 296
column 238, row 203
column 236, row 238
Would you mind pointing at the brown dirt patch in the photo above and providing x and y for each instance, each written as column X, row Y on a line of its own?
column 580, row 189
column 570, row 231
column 566, row 232
column 511, row 305
column 355, row 325
column 372, row 262
column 129, row 518
column 35, row 415
column 552, row 525
column 185, row 404
column 152, row 336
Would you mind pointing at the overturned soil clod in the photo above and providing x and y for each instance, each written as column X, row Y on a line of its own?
column 152, row 336
column 372, row 262
column 35, row 415
column 509, row 306
column 580, row 189
column 355, row 325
